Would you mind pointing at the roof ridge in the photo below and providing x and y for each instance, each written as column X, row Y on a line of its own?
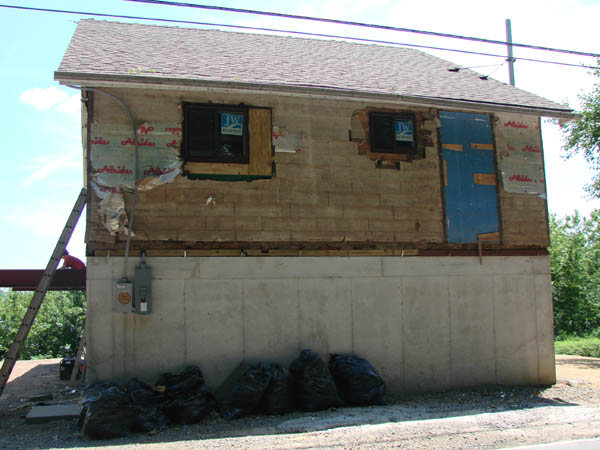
column 108, row 49
column 253, row 33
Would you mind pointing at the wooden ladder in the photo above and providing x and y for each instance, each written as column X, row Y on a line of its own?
column 40, row 292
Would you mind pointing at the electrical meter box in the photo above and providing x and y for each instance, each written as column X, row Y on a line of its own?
column 124, row 297
column 143, row 289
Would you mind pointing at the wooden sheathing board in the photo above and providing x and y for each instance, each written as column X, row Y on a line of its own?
column 487, row 179
column 261, row 159
column 216, row 168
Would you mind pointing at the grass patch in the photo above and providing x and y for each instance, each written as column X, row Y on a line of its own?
column 581, row 346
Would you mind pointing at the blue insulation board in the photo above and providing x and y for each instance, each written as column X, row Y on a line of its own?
column 471, row 209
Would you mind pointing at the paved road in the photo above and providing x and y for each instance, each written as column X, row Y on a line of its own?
column 582, row 444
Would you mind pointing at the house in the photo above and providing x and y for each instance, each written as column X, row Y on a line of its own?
column 296, row 193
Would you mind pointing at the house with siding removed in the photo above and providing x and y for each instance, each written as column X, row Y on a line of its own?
column 281, row 193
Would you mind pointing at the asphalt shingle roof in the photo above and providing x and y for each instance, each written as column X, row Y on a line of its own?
column 101, row 49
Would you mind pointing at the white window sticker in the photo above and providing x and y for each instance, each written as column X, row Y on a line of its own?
column 232, row 124
column 404, row 130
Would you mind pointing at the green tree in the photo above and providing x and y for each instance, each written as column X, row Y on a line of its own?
column 583, row 135
column 575, row 269
column 57, row 327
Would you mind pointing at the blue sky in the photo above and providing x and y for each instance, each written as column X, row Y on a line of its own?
column 40, row 149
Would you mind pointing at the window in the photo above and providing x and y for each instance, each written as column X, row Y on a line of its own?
column 393, row 133
column 226, row 140
column 215, row 133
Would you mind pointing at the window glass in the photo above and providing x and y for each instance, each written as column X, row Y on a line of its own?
column 215, row 134
column 383, row 131
column 392, row 133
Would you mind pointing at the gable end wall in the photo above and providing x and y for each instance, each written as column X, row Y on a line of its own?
column 328, row 195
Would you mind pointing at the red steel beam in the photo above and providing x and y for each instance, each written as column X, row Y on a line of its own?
column 28, row 280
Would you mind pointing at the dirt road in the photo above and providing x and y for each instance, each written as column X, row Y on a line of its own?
column 490, row 417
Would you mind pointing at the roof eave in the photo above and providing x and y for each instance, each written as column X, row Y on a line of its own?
column 155, row 82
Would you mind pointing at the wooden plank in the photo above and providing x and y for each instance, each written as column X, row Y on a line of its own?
column 488, row 236
column 407, row 252
column 392, row 157
column 373, row 252
column 261, row 155
column 272, row 252
column 104, row 253
column 453, row 147
column 445, row 173
column 77, row 364
column 213, row 252
column 216, row 168
column 163, row 252
column 325, row 252
column 486, row 179
column 476, row 146
column 440, row 250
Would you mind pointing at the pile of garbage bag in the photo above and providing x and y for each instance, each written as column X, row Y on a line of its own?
column 108, row 410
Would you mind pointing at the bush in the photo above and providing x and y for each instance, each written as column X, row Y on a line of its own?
column 575, row 269
column 581, row 346
column 57, row 327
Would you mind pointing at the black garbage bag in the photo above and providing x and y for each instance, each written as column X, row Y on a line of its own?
column 89, row 394
column 358, row 383
column 187, row 400
column 187, row 379
column 279, row 397
column 313, row 385
column 151, row 417
column 241, row 393
column 190, row 406
column 107, row 412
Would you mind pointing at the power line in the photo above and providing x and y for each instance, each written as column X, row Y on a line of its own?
column 361, row 24
column 302, row 33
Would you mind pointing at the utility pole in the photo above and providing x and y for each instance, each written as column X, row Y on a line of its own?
column 511, row 60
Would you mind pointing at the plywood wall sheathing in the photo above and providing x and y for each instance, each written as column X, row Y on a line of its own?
column 453, row 147
column 261, row 158
column 487, row 179
column 216, row 169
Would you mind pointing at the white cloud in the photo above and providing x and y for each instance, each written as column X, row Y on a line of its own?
column 44, row 223
column 54, row 99
column 43, row 99
column 46, row 165
column 57, row 130
column 71, row 106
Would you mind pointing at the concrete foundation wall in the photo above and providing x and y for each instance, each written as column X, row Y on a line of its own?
column 425, row 323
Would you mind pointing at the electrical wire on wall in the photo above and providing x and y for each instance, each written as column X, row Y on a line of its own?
column 135, row 172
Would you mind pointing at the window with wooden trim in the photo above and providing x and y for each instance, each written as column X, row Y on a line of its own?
column 226, row 140
column 215, row 133
column 393, row 133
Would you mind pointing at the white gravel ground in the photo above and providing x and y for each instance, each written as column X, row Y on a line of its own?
column 482, row 418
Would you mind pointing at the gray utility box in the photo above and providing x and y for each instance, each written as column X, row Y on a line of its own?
column 123, row 297
column 143, row 289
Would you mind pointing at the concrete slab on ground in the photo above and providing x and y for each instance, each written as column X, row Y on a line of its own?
column 47, row 413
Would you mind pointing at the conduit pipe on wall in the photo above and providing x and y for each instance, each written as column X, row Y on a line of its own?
column 135, row 172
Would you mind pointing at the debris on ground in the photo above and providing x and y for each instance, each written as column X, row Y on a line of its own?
column 566, row 410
